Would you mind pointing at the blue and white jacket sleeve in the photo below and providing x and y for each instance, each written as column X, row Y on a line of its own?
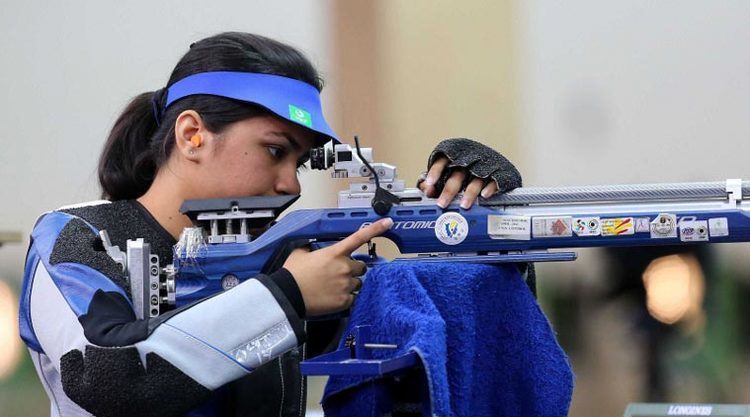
column 77, row 317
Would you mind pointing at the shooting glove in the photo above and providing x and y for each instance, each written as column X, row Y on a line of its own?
column 479, row 160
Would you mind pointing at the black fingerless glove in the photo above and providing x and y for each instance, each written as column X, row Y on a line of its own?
column 480, row 160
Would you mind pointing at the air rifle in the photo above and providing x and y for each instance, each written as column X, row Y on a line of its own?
column 529, row 224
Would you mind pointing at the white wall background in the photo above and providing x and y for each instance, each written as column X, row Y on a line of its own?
column 634, row 91
column 69, row 68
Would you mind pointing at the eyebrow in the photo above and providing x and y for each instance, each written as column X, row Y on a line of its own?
column 292, row 141
column 295, row 145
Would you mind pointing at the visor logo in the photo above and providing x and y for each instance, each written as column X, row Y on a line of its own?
column 299, row 115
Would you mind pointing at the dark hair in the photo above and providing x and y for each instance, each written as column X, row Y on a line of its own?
column 137, row 146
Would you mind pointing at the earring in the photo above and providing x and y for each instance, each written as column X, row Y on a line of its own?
column 191, row 152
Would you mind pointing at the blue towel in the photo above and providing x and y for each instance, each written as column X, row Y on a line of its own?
column 487, row 348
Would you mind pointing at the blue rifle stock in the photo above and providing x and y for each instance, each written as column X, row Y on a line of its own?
column 416, row 228
column 528, row 224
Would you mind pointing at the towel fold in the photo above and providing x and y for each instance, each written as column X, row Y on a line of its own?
column 486, row 346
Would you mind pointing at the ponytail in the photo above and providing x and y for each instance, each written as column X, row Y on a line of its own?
column 127, row 165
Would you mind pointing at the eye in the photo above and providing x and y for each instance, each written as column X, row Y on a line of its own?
column 276, row 152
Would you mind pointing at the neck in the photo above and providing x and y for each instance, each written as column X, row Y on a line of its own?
column 163, row 200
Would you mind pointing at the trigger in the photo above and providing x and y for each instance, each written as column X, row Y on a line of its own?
column 371, row 258
column 371, row 249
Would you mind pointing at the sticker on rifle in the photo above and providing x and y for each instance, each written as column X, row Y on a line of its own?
column 587, row 226
column 552, row 226
column 451, row 228
column 718, row 227
column 618, row 226
column 229, row 281
column 642, row 224
column 664, row 226
column 692, row 230
column 509, row 227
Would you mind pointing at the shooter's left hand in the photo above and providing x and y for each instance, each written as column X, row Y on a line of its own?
column 463, row 164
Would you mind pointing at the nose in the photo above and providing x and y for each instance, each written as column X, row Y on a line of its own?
column 287, row 182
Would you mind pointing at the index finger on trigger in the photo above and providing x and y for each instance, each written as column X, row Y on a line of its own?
column 362, row 236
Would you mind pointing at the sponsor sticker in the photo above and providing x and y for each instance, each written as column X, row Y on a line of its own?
column 300, row 115
column 451, row 228
column 587, row 226
column 718, row 227
column 509, row 227
column 618, row 226
column 692, row 230
column 552, row 226
column 642, row 224
column 664, row 226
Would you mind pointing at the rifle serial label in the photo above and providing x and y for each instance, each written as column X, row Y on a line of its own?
column 509, row 227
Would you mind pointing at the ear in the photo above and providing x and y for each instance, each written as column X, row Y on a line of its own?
column 189, row 124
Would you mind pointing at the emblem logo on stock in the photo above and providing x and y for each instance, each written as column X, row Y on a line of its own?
column 451, row 228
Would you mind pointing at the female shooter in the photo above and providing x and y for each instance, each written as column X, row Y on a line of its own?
column 237, row 118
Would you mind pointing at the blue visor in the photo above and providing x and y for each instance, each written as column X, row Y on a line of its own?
column 293, row 100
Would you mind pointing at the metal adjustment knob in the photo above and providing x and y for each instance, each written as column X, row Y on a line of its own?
column 383, row 201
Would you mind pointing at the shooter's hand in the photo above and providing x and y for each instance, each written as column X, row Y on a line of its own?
column 326, row 277
column 463, row 164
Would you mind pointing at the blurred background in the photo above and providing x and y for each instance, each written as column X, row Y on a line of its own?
column 576, row 92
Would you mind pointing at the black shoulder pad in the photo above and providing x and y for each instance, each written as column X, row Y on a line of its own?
column 77, row 243
column 112, row 382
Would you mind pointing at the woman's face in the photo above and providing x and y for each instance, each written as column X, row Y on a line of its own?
column 256, row 156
